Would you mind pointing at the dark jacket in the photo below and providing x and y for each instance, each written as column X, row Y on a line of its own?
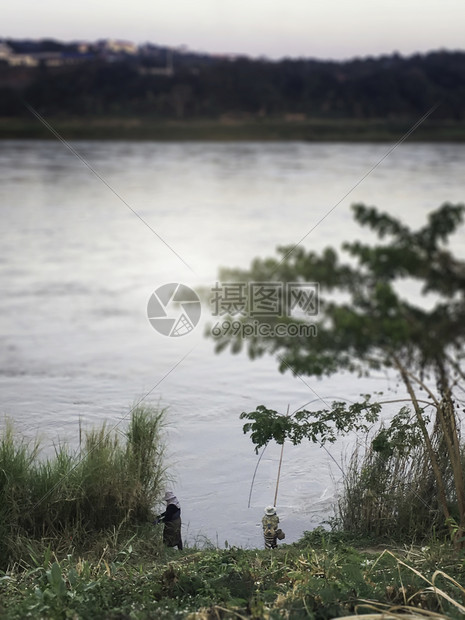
column 171, row 513
column 172, row 530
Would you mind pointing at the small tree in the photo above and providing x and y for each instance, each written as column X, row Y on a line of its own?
column 377, row 327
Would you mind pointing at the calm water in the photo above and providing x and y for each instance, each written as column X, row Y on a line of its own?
column 78, row 267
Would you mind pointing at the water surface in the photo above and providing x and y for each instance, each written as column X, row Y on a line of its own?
column 78, row 267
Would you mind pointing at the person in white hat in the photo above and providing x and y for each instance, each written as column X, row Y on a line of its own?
column 172, row 520
column 271, row 532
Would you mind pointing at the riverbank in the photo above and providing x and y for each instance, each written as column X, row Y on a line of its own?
column 325, row 575
column 310, row 130
column 78, row 540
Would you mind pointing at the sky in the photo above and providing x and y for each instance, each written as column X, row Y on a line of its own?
column 335, row 29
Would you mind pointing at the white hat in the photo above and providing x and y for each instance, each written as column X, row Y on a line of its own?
column 270, row 510
column 170, row 498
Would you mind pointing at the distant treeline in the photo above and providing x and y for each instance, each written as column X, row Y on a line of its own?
column 388, row 87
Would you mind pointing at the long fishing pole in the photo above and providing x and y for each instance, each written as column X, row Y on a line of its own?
column 266, row 446
column 280, row 463
column 255, row 473
column 279, row 472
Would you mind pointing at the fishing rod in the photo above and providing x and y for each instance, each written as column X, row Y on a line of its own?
column 279, row 471
column 281, row 458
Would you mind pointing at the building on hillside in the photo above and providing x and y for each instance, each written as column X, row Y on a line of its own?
column 5, row 51
column 23, row 60
column 8, row 55
column 48, row 59
column 120, row 47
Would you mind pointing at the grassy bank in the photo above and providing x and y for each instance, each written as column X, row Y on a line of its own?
column 311, row 130
column 75, row 499
column 77, row 541
column 320, row 577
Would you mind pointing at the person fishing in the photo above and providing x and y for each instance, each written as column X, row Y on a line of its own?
column 271, row 531
column 172, row 521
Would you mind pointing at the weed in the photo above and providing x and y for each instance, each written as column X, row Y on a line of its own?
column 81, row 500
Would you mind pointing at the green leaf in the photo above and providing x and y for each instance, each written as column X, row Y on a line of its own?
column 56, row 580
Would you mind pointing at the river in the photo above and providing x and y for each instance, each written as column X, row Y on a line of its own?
column 78, row 266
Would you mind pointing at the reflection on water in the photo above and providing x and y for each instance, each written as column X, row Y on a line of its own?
column 77, row 269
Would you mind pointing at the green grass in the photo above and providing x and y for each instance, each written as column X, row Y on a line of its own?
column 393, row 495
column 72, row 499
column 321, row 580
column 77, row 542
column 312, row 130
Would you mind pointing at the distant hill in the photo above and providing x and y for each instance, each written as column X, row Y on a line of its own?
column 117, row 78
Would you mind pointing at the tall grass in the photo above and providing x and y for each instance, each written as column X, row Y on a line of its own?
column 393, row 495
column 113, row 481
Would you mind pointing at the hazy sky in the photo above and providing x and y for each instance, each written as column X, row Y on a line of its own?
column 273, row 28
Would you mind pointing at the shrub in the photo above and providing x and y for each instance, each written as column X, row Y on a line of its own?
column 109, row 484
column 392, row 493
